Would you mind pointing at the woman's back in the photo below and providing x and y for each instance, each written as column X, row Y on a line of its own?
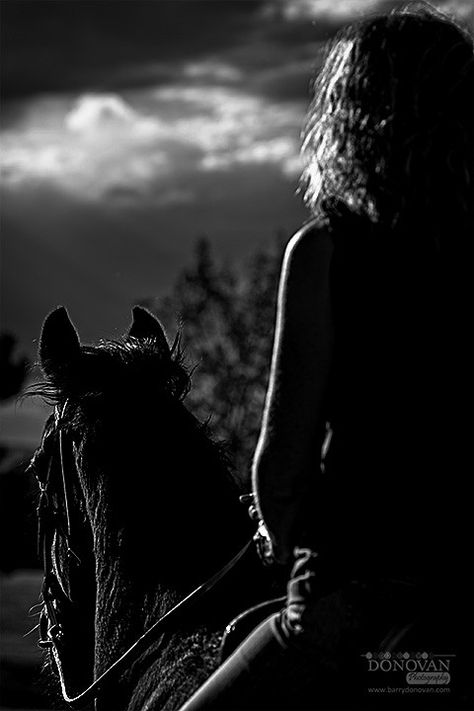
column 398, row 467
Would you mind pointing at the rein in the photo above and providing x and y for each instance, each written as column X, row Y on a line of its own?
column 51, row 633
column 133, row 652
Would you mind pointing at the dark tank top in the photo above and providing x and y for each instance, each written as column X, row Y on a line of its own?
column 398, row 468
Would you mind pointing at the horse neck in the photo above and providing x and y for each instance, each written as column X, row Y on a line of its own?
column 128, row 601
column 146, row 560
column 129, row 594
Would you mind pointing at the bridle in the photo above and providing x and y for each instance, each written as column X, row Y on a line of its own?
column 50, row 524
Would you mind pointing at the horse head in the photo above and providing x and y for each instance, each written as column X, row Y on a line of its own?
column 136, row 503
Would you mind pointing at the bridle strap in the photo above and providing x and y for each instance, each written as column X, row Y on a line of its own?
column 65, row 485
column 66, row 489
column 142, row 643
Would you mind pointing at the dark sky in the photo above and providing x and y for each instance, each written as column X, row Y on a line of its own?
column 131, row 128
column 70, row 45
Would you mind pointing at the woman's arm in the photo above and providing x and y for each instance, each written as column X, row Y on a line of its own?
column 294, row 420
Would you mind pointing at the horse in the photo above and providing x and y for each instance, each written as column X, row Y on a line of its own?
column 137, row 508
column 147, row 550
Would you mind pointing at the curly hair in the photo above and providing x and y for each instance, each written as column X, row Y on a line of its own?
column 390, row 132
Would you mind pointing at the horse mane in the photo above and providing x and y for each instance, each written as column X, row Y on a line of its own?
column 120, row 368
column 117, row 365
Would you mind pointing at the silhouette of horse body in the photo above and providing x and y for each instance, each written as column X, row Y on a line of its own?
column 140, row 508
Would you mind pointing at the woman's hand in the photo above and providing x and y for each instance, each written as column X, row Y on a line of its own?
column 269, row 550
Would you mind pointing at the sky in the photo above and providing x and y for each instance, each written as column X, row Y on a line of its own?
column 128, row 130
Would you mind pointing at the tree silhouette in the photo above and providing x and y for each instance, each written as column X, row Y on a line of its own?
column 225, row 314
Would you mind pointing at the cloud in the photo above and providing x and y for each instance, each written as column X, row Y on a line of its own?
column 88, row 146
column 282, row 152
column 212, row 69
column 98, row 143
column 341, row 10
column 109, row 113
column 151, row 143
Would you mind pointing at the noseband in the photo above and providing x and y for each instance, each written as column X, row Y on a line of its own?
column 51, row 523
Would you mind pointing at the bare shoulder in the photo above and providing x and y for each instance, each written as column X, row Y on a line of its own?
column 311, row 246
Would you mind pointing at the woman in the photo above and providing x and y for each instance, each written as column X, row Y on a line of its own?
column 362, row 468
column 361, row 339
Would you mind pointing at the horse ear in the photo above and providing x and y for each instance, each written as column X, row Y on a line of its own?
column 146, row 325
column 59, row 343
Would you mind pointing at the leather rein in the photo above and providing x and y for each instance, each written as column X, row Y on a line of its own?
column 53, row 592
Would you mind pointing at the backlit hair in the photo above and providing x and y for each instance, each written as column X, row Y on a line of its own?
column 389, row 133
